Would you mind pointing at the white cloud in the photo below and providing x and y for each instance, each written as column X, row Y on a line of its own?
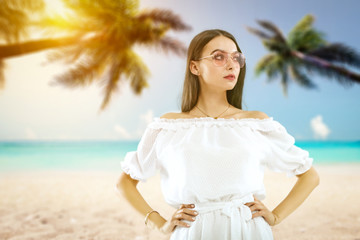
column 145, row 120
column 30, row 134
column 147, row 117
column 320, row 129
column 124, row 134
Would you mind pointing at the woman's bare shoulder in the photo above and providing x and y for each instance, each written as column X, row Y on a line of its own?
column 251, row 114
column 175, row 115
column 259, row 114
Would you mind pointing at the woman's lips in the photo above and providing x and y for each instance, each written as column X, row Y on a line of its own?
column 230, row 77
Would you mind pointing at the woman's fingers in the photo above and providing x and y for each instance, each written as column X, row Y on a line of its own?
column 258, row 214
column 188, row 211
column 185, row 217
column 181, row 223
column 187, row 206
column 257, row 207
column 249, row 204
column 184, row 213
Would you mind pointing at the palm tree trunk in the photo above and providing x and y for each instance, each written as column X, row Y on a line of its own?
column 325, row 64
column 15, row 50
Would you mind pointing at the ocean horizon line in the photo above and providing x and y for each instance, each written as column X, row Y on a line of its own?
column 107, row 154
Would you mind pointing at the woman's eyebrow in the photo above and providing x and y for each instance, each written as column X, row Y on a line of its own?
column 217, row 50
column 221, row 51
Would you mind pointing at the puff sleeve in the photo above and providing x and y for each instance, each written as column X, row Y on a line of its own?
column 142, row 163
column 283, row 155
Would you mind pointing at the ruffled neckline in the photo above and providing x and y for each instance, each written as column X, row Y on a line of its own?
column 210, row 119
column 264, row 124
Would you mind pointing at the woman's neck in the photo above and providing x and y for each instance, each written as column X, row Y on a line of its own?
column 211, row 104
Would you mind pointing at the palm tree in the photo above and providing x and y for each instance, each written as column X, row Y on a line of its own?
column 304, row 51
column 97, row 40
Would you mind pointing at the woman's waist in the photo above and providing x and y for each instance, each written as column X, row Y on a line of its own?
column 216, row 201
column 227, row 203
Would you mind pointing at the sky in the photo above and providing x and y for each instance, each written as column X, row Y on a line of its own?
column 32, row 109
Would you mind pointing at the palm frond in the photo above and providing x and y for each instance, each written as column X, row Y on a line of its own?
column 330, row 71
column 83, row 73
column 277, row 34
column 137, row 81
column 104, row 11
column 68, row 55
column 14, row 18
column 303, row 37
column 32, row 5
column 284, row 79
column 272, row 65
column 279, row 47
column 69, row 24
column 263, row 63
column 275, row 42
column 168, row 44
column 164, row 17
column 111, row 82
column 300, row 78
column 338, row 52
column 258, row 33
column 306, row 41
column 12, row 24
column 275, row 68
column 129, row 7
column 130, row 65
column 304, row 24
column 80, row 75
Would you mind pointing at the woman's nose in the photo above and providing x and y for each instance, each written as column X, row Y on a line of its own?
column 229, row 64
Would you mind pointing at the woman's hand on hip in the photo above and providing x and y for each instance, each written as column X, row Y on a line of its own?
column 262, row 211
column 183, row 213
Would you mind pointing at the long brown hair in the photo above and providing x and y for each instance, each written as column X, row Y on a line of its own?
column 191, row 87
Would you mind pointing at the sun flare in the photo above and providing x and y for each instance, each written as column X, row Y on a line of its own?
column 55, row 7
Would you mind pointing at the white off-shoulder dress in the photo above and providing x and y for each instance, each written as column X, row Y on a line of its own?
column 218, row 165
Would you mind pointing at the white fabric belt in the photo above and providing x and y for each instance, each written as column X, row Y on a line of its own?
column 235, row 209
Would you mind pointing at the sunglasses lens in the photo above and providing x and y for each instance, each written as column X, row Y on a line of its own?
column 241, row 60
column 219, row 59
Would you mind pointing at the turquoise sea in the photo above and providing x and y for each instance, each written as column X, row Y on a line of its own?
column 107, row 155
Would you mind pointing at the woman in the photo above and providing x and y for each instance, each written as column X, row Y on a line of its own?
column 212, row 155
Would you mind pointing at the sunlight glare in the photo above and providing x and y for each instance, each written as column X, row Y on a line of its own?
column 55, row 7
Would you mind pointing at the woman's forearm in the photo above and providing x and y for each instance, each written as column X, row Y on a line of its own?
column 303, row 187
column 127, row 188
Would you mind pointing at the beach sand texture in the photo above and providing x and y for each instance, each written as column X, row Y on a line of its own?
column 85, row 205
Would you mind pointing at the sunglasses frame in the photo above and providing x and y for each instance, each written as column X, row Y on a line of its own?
column 227, row 58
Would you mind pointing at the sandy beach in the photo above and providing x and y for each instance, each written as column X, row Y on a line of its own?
column 85, row 205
